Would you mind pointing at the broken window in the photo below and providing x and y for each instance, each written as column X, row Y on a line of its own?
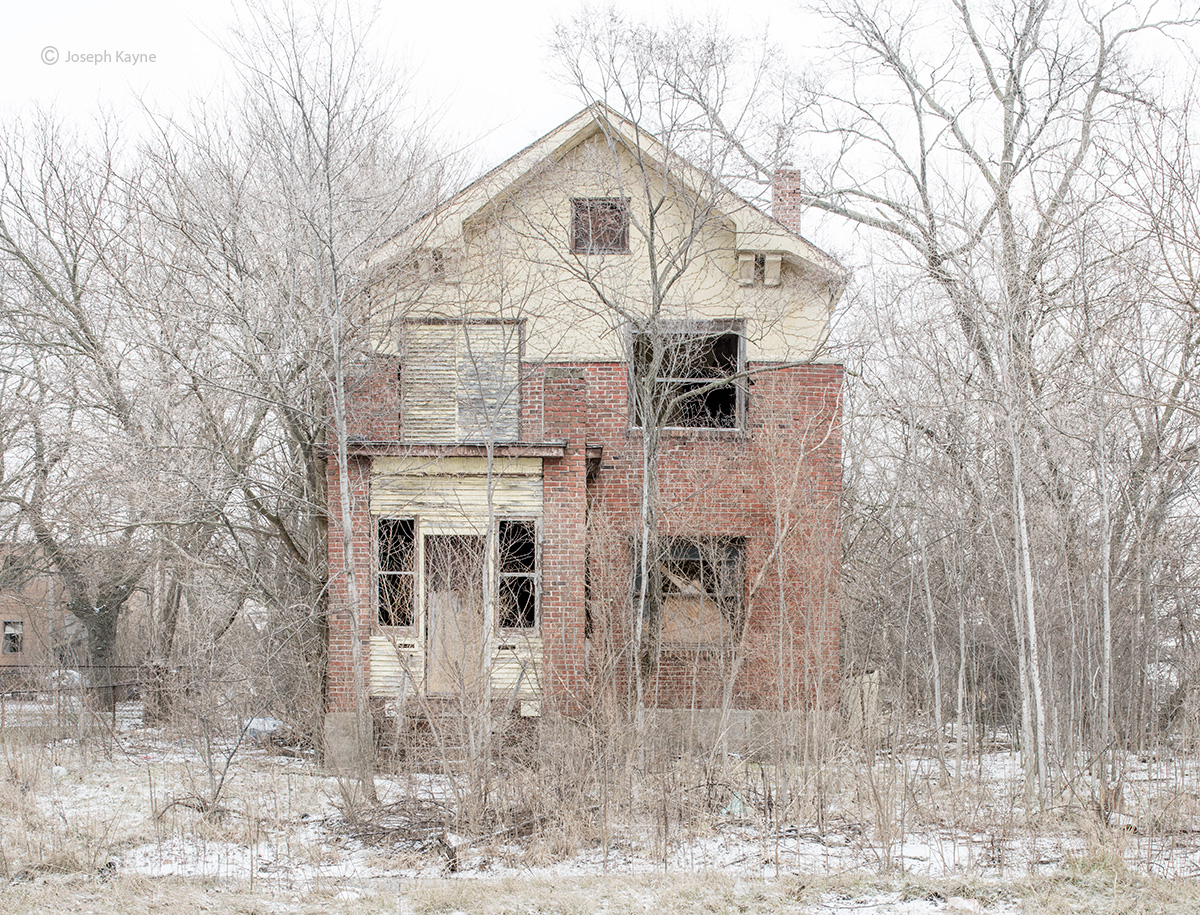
column 687, row 368
column 701, row 585
column 397, row 571
column 600, row 225
column 14, row 636
column 517, row 567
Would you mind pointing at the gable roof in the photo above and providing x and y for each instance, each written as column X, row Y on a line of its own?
column 754, row 229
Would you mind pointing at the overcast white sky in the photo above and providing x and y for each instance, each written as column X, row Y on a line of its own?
column 485, row 61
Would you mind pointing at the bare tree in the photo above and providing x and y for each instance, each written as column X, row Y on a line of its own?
column 983, row 159
column 683, row 338
column 86, row 497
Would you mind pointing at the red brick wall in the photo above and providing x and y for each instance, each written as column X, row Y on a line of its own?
column 340, row 677
column 564, row 508
column 373, row 402
column 781, row 475
column 776, row 485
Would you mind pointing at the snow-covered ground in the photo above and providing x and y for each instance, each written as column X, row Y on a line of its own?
column 84, row 805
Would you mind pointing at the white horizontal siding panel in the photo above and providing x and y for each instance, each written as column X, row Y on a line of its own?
column 517, row 666
column 489, row 382
column 395, row 665
column 459, row 501
column 429, row 383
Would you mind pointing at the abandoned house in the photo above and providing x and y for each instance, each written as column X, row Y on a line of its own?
column 596, row 452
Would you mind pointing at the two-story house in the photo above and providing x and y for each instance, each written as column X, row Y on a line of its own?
column 597, row 451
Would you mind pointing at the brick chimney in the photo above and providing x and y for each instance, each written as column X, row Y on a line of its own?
column 785, row 198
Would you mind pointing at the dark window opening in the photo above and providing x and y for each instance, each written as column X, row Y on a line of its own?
column 518, row 555
column 600, row 225
column 760, row 269
column 684, row 366
column 14, row 636
column 397, row 564
column 701, row 586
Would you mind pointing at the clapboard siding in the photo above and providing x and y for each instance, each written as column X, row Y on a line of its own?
column 460, row 382
column 395, row 663
column 455, row 500
column 400, row 663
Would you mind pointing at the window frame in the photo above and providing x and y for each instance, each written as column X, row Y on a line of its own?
column 12, row 637
column 534, row 575
column 729, row 601
column 714, row 329
column 733, row 616
column 381, row 574
column 580, row 207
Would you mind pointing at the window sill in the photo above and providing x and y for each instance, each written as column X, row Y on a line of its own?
column 698, row 433
column 682, row 648
column 403, row 636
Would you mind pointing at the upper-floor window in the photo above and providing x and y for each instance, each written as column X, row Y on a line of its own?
column 696, row 377
column 599, row 225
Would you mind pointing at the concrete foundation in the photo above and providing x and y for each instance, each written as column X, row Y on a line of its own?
column 343, row 754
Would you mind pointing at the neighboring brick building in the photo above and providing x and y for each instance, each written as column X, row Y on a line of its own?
column 36, row 631
column 497, row 445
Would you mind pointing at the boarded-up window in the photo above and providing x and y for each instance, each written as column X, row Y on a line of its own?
column 702, row 583
column 396, row 573
column 460, row 382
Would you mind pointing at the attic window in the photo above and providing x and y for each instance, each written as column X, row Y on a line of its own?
column 600, row 225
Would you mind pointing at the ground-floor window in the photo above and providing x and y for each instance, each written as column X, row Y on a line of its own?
column 517, row 565
column 14, row 636
column 396, row 539
column 459, row 564
column 701, row 584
